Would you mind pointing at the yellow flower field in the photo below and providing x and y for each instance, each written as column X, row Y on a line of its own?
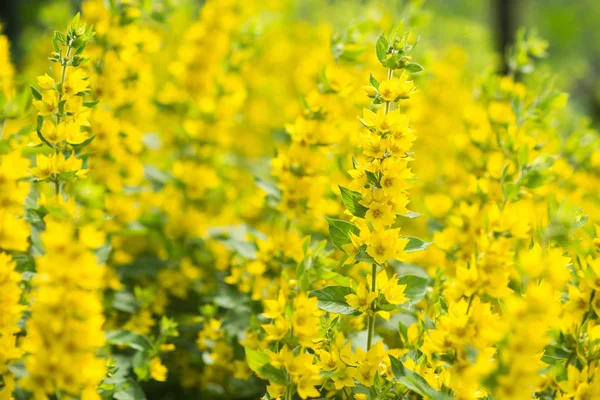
column 292, row 200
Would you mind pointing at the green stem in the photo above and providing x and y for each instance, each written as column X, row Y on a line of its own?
column 62, row 81
column 371, row 320
column 2, row 126
column 388, row 104
column 470, row 302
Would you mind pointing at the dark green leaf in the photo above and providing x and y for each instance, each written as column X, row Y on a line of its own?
column 275, row 375
column 40, row 121
column 362, row 255
column 352, row 200
column 333, row 299
column 372, row 178
column 90, row 104
column 36, row 93
column 340, row 232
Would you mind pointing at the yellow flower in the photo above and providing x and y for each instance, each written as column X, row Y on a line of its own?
column 501, row 112
column 385, row 245
column 389, row 89
column 277, row 330
column 52, row 133
column 372, row 145
column 362, row 299
column 157, row 370
column 393, row 292
column 380, row 215
column 394, row 183
column 91, row 237
column 48, row 104
column 45, row 81
column 343, row 377
column 306, row 386
column 14, row 232
column 274, row 308
column 43, row 167
column 75, row 83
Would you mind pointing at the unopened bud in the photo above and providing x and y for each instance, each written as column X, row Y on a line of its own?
column 370, row 91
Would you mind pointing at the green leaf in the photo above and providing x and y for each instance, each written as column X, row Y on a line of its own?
column 133, row 391
column 340, row 232
column 35, row 217
column 393, row 61
column 256, row 359
column 103, row 253
column 90, row 104
column 381, row 48
column 40, row 121
column 123, row 337
column 25, row 262
column 409, row 269
column 60, row 37
column 18, row 369
column 554, row 355
column 36, row 93
column 382, row 304
column 275, row 375
column 124, row 301
column 352, row 200
column 411, row 215
column 397, row 31
column 269, row 187
column 415, row 244
column 332, row 299
column 373, row 81
column 245, row 249
column 416, row 287
column 338, row 279
column 75, row 22
column 415, row 382
column 362, row 255
column 413, row 67
column 372, row 178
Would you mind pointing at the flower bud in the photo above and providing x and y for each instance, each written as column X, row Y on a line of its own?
column 370, row 91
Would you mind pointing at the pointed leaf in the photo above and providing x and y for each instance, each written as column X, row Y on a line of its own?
column 415, row 244
column 333, row 299
column 340, row 232
column 352, row 200
column 414, row 381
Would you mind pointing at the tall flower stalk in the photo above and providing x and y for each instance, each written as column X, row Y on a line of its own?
column 381, row 177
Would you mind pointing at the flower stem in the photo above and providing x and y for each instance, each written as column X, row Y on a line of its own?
column 58, row 116
column 389, row 103
column 371, row 320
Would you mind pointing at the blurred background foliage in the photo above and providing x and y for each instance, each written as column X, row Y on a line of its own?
column 476, row 25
